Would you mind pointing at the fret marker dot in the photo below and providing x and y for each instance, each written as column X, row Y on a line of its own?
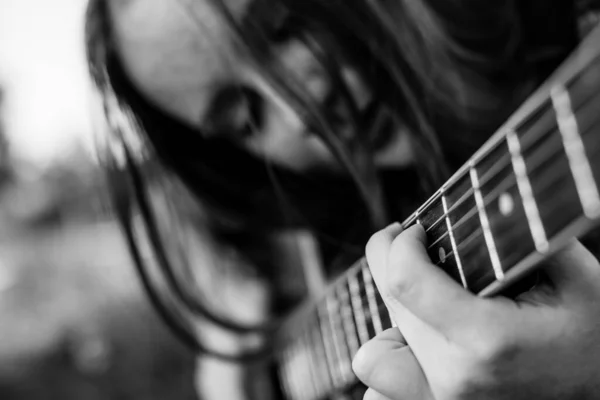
column 442, row 254
column 506, row 204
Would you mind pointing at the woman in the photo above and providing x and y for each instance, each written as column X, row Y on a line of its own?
column 252, row 141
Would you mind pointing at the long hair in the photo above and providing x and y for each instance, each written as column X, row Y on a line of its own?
column 450, row 72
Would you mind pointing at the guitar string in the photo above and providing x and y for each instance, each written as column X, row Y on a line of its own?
column 341, row 334
column 533, row 137
column 463, row 246
column 505, row 163
column 509, row 182
column 339, row 319
column 489, row 199
column 505, row 185
column 539, row 161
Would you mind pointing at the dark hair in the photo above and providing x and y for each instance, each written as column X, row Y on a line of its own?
column 450, row 71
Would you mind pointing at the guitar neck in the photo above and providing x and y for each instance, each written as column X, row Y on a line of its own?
column 533, row 186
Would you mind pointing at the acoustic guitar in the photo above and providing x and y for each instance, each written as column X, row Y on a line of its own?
column 531, row 188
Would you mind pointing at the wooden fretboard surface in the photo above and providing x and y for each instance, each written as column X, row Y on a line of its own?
column 533, row 186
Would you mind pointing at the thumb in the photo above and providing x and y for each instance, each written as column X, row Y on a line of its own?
column 388, row 366
column 573, row 271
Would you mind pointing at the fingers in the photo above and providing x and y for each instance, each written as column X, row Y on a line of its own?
column 409, row 281
column 573, row 270
column 370, row 394
column 388, row 366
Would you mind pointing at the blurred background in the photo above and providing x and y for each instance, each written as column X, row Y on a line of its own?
column 74, row 323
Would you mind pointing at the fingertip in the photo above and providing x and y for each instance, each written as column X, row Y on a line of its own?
column 360, row 364
column 371, row 394
column 394, row 229
column 410, row 247
column 417, row 232
column 380, row 241
column 385, row 342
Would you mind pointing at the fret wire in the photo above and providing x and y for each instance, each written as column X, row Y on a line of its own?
column 495, row 170
column 344, row 362
column 319, row 376
column 339, row 319
column 300, row 369
column 357, row 306
column 467, row 241
column 347, row 319
column 296, row 387
column 370, row 291
column 500, row 188
column 531, row 137
column 489, row 199
column 468, row 192
column 578, row 161
column 485, row 224
column 436, row 222
column 322, row 359
column 503, row 186
column 337, row 380
column 300, row 388
column 466, row 218
column 464, row 243
column 529, row 203
column 309, row 367
column 453, row 243
column 304, row 370
column 284, row 374
column 301, row 373
column 504, row 162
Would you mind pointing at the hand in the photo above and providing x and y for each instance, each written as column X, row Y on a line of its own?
column 544, row 345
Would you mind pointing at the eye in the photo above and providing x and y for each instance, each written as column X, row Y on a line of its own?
column 235, row 113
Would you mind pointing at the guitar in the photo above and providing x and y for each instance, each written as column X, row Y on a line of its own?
column 532, row 187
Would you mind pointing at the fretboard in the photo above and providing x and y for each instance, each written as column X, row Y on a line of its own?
column 532, row 187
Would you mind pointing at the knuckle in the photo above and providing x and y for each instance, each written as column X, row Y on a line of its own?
column 399, row 286
column 397, row 258
column 496, row 349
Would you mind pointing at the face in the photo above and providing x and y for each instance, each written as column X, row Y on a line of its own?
column 182, row 56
